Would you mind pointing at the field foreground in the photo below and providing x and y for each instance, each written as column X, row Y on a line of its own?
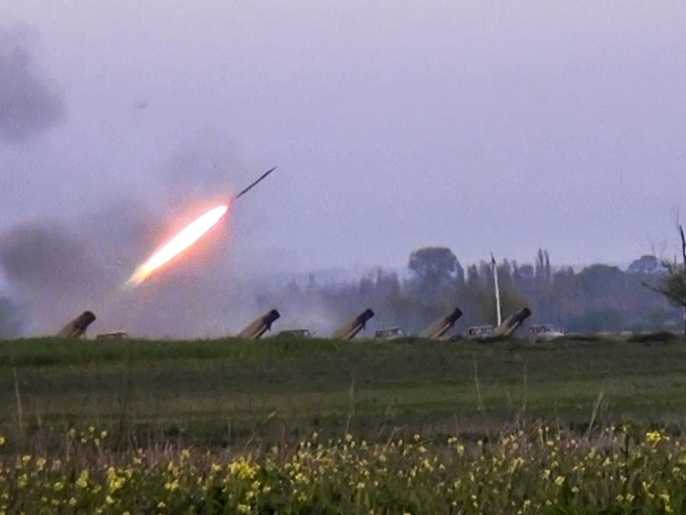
column 226, row 393
column 617, row 471
column 318, row 427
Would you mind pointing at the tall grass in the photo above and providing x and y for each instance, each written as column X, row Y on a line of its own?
column 538, row 471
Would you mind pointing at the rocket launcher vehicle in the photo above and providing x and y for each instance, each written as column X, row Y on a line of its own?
column 440, row 328
column 357, row 324
column 77, row 327
column 512, row 323
column 260, row 326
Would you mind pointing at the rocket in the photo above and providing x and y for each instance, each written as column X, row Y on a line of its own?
column 185, row 238
column 255, row 183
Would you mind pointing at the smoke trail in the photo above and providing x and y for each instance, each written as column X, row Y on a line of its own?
column 62, row 269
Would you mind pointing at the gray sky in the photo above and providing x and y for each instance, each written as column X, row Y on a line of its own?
column 478, row 125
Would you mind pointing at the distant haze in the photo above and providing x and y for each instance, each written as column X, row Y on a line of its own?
column 482, row 126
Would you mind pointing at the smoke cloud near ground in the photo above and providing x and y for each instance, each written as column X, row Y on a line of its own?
column 45, row 257
column 59, row 268
column 62, row 268
column 29, row 101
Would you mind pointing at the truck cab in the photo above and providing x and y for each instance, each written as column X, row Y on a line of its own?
column 295, row 333
column 390, row 333
column 481, row 331
column 545, row 332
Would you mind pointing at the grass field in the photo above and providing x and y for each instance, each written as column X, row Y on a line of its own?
column 230, row 392
column 322, row 427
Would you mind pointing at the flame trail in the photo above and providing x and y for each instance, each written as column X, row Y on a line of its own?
column 179, row 243
column 186, row 238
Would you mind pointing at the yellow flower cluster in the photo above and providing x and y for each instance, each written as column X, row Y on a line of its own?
column 519, row 473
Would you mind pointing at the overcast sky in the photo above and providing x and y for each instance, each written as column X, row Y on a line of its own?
column 483, row 126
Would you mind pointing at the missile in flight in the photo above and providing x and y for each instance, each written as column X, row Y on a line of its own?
column 255, row 183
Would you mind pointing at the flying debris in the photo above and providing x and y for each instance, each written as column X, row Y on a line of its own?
column 77, row 327
column 256, row 330
column 439, row 329
column 357, row 324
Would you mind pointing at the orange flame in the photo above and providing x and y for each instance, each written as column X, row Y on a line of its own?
column 179, row 243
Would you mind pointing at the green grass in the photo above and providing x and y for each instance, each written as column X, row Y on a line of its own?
column 225, row 392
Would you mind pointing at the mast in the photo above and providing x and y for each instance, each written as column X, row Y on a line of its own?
column 499, row 314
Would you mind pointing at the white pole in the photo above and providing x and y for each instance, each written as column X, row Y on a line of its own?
column 497, row 290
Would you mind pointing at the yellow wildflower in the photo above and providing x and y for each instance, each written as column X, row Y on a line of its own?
column 82, row 481
column 172, row 486
column 655, row 437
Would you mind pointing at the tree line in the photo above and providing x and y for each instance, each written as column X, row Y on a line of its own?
column 596, row 298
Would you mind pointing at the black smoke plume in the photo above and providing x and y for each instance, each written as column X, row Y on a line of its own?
column 62, row 268
column 29, row 102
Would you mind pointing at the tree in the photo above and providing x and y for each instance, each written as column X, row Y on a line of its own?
column 472, row 276
column 673, row 286
column 387, row 284
column 599, row 281
column 459, row 274
column 648, row 264
column 435, row 274
column 543, row 270
column 433, row 266
column 547, row 267
column 366, row 286
column 540, row 266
